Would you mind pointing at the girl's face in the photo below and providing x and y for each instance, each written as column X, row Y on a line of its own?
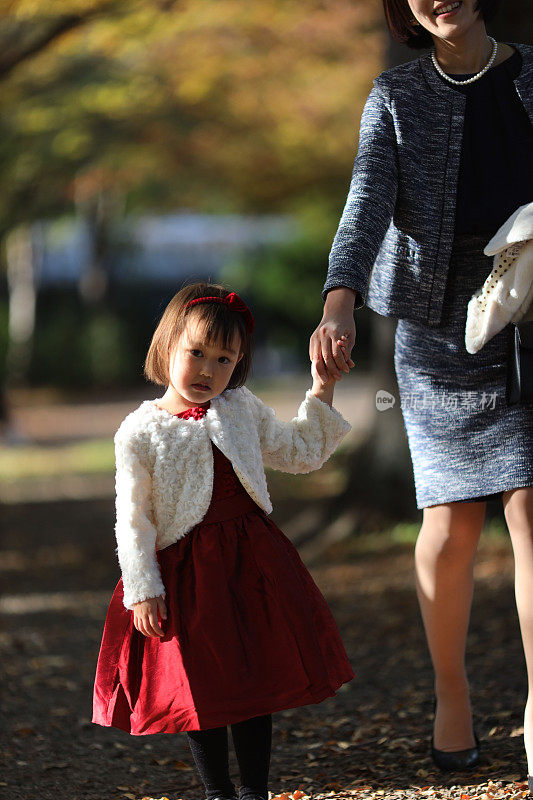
column 447, row 25
column 200, row 370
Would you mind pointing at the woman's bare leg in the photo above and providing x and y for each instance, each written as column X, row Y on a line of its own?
column 518, row 509
column 444, row 559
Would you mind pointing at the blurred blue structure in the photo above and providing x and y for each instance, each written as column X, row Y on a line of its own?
column 158, row 249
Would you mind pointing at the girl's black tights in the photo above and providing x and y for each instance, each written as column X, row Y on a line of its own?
column 252, row 740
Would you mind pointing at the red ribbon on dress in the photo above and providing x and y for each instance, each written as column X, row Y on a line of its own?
column 196, row 412
column 233, row 301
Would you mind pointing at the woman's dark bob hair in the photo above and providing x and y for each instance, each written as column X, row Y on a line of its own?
column 398, row 15
column 221, row 323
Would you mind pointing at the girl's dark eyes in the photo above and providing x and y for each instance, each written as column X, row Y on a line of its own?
column 199, row 354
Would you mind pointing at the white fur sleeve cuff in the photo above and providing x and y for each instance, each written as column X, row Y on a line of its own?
column 136, row 590
column 329, row 418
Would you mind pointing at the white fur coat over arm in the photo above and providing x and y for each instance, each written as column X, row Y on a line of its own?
column 134, row 529
column 305, row 442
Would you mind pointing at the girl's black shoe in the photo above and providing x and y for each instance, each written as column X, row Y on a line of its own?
column 255, row 797
column 221, row 797
column 458, row 760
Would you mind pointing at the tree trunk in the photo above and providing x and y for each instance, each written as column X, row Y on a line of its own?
column 98, row 213
column 22, row 251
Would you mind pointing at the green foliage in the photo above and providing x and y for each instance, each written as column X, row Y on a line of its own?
column 212, row 104
column 58, row 356
column 95, row 456
column 106, row 347
column 76, row 346
column 284, row 285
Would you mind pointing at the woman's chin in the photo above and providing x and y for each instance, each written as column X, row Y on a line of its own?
column 456, row 26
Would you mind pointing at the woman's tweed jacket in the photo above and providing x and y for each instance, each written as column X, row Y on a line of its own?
column 164, row 477
column 395, row 235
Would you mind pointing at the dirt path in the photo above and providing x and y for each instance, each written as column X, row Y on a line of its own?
column 48, row 422
column 58, row 572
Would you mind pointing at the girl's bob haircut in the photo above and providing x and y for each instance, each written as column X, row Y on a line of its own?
column 221, row 324
column 398, row 15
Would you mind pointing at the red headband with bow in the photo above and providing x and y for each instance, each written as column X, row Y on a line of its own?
column 233, row 301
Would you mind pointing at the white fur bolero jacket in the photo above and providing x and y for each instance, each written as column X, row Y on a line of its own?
column 164, row 470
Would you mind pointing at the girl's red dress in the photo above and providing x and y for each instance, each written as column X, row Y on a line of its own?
column 247, row 630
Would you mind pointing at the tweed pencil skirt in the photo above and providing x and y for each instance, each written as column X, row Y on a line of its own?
column 466, row 443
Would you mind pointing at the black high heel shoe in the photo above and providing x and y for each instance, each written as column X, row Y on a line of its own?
column 457, row 760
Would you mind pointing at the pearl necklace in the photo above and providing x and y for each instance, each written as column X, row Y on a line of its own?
column 474, row 77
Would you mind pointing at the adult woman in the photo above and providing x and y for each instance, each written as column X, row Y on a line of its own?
column 440, row 166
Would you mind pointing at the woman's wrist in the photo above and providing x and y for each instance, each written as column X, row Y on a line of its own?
column 341, row 299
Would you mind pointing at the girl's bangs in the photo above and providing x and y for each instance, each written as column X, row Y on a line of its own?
column 219, row 323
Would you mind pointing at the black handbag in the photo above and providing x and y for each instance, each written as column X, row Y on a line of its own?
column 520, row 364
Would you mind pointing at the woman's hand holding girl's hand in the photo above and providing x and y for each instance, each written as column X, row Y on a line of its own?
column 145, row 615
column 332, row 342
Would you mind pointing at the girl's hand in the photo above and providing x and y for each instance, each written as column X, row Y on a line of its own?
column 324, row 389
column 145, row 616
column 337, row 325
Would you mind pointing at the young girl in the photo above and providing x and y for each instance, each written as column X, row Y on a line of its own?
column 215, row 620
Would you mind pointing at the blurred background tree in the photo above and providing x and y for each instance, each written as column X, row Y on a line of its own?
column 115, row 108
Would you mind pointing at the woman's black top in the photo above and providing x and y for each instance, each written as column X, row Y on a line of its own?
column 496, row 166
